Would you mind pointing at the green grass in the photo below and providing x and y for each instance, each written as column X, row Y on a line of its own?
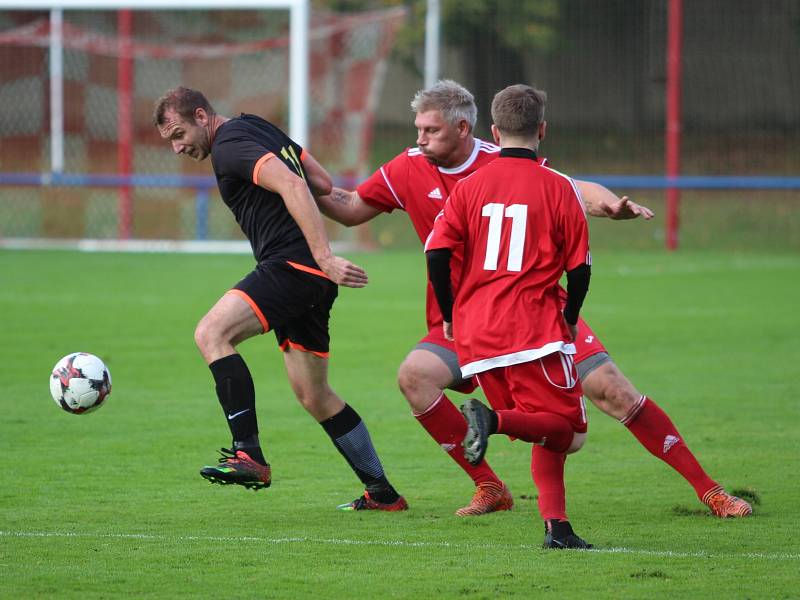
column 110, row 504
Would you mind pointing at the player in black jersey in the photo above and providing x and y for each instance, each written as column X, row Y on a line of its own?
column 267, row 180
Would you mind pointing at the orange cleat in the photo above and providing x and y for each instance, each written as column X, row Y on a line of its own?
column 489, row 497
column 723, row 505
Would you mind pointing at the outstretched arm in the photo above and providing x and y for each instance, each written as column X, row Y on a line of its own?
column 274, row 175
column 346, row 207
column 602, row 202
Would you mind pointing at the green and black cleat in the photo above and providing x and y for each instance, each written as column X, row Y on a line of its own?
column 236, row 467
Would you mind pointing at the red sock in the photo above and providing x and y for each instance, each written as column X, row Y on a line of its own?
column 656, row 432
column 547, row 468
column 547, row 429
column 447, row 426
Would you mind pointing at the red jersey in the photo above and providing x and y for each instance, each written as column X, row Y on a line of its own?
column 520, row 226
column 411, row 183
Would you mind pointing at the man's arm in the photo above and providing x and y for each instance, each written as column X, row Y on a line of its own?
column 602, row 202
column 318, row 179
column 346, row 207
column 577, row 287
column 274, row 175
column 439, row 275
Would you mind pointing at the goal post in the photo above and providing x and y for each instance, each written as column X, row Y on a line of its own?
column 78, row 81
column 298, row 52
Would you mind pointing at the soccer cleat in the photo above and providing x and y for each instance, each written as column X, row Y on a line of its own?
column 477, row 438
column 489, row 497
column 558, row 535
column 236, row 467
column 366, row 503
column 723, row 505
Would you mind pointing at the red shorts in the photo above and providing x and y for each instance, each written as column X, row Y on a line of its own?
column 586, row 344
column 548, row 384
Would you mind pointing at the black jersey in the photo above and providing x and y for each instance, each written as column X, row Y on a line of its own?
column 240, row 147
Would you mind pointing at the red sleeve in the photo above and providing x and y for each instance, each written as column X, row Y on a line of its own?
column 448, row 228
column 385, row 188
column 576, row 230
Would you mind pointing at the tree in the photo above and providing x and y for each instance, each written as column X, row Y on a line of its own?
column 492, row 37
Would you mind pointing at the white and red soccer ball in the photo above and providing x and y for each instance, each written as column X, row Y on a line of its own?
column 80, row 383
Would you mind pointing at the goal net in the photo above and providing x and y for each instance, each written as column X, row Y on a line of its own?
column 117, row 63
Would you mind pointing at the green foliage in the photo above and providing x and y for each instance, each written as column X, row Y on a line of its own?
column 110, row 504
column 520, row 25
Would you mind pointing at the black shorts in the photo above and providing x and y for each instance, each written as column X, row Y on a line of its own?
column 294, row 301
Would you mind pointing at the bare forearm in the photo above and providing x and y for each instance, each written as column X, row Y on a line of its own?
column 596, row 198
column 602, row 202
column 345, row 207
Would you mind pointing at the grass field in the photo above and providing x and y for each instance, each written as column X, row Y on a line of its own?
column 110, row 504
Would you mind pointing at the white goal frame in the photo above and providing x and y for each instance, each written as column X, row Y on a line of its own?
column 298, row 52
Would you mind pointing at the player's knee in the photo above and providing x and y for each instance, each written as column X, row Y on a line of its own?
column 203, row 335
column 409, row 378
column 418, row 388
column 578, row 439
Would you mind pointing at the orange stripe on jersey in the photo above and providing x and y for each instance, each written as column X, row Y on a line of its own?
column 303, row 154
column 296, row 346
column 311, row 270
column 254, row 306
column 260, row 162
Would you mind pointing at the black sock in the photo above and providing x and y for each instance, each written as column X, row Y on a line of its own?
column 351, row 438
column 237, row 397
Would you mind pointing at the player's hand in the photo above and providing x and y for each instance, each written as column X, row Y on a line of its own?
column 448, row 331
column 342, row 272
column 627, row 209
column 573, row 332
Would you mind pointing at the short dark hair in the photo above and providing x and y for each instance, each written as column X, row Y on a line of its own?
column 182, row 100
column 518, row 110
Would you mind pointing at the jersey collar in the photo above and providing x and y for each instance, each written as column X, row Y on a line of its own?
column 518, row 153
column 466, row 164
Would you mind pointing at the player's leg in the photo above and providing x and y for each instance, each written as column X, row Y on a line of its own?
column 305, row 342
column 540, row 401
column 547, row 470
column 614, row 394
column 232, row 320
column 423, row 376
column 530, row 412
column 307, row 374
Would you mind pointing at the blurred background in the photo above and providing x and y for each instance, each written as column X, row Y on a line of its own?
column 604, row 65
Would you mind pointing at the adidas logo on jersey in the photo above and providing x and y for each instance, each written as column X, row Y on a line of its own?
column 435, row 193
column 669, row 442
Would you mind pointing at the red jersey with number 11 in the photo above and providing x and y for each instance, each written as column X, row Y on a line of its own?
column 521, row 226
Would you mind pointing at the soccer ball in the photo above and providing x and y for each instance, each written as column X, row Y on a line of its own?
column 80, row 383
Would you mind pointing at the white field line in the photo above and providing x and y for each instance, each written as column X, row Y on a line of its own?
column 387, row 543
